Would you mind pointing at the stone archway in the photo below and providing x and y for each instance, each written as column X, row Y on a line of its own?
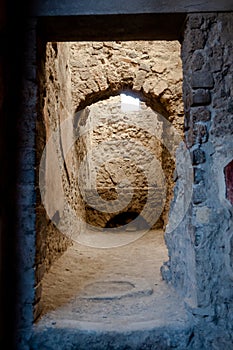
column 148, row 69
column 88, row 89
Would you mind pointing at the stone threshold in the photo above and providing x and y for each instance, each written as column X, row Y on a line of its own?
column 155, row 321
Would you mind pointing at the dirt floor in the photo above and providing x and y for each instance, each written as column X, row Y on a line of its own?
column 115, row 298
column 105, row 274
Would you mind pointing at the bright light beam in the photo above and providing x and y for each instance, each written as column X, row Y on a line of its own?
column 129, row 103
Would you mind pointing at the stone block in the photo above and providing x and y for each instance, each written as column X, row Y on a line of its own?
column 195, row 21
column 203, row 215
column 140, row 79
column 145, row 67
column 197, row 61
column 198, row 175
column 222, row 125
column 84, row 74
column 216, row 64
column 199, row 194
column 159, row 67
column 202, row 79
column 200, row 97
column 197, row 40
column 200, row 133
column 197, row 135
column 198, row 157
column 97, row 45
column 200, row 114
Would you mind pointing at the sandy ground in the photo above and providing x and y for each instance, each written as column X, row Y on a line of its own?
column 82, row 267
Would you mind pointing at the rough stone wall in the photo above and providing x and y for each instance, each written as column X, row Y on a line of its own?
column 56, row 179
column 206, row 231
column 100, row 69
column 123, row 144
column 149, row 68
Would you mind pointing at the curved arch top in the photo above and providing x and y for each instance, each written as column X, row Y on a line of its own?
column 151, row 100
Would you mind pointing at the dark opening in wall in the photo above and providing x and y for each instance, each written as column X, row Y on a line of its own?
column 122, row 219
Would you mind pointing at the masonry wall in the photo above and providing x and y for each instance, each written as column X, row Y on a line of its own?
column 54, row 168
column 124, row 145
column 200, row 248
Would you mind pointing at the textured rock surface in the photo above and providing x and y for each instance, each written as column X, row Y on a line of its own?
column 73, row 335
column 204, row 277
column 54, row 108
column 124, row 145
column 102, row 69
